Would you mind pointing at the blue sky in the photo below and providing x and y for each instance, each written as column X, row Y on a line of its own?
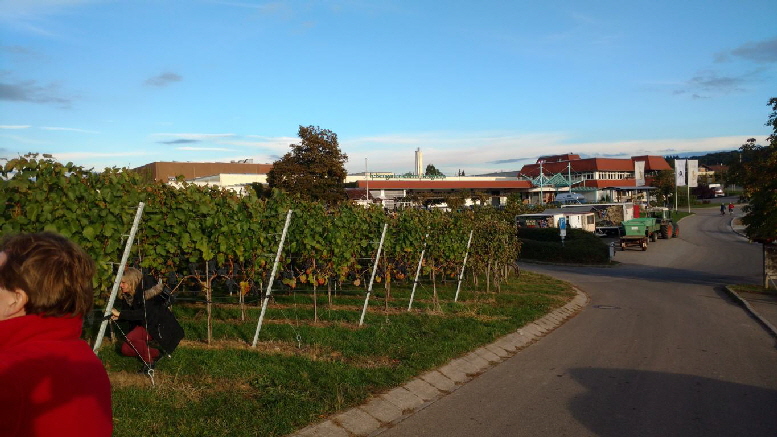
column 479, row 86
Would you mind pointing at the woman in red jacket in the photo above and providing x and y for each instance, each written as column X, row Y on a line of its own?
column 51, row 383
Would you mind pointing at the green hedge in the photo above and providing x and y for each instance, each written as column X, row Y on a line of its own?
column 579, row 246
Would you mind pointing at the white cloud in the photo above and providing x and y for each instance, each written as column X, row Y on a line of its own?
column 21, row 126
column 194, row 136
column 70, row 129
column 31, row 15
column 200, row 149
column 482, row 153
column 92, row 155
column 24, row 140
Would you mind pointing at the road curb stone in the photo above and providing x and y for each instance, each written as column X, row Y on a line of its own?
column 398, row 403
column 749, row 308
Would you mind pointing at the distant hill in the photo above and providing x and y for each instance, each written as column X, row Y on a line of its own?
column 711, row 158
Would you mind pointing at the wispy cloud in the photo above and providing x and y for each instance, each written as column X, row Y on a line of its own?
column 487, row 153
column 205, row 149
column 179, row 141
column 194, row 136
column 266, row 8
column 757, row 51
column 24, row 140
column 21, row 126
column 512, row 160
column 31, row 91
column 15, row 50
column 711, row 83
column 91, row 155
column 31, row 15
column 70, row 129
column 163, row 79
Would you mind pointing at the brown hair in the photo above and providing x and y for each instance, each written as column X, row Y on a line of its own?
column 55, row 273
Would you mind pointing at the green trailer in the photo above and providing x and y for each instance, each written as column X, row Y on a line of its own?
column 638, row 231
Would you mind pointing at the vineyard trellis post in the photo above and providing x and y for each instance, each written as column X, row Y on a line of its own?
column 463, row 266
column 418, row 272
column 119, row 274
column 209, row 299
column 272, row 278
column 372, row 277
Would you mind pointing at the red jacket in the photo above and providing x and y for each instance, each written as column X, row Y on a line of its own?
column 51, row 383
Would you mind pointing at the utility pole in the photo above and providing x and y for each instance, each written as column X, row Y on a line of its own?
column 542, row 197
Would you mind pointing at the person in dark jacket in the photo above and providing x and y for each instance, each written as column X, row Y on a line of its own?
column 149, row 318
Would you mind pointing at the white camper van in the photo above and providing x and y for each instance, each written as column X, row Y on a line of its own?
column 570, row 198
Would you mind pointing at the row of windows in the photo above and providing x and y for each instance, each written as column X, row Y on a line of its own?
column 607, row 175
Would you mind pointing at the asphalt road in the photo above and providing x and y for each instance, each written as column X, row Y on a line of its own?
column 659, row 351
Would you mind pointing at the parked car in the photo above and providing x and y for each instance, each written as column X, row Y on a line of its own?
column 719, row 192
column 570, row 198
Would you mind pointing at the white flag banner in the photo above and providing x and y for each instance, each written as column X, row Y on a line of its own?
column 639, row 172
column 693, row 173
column 679, row 172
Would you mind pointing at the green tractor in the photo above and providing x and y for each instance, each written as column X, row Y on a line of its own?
column 667, row 227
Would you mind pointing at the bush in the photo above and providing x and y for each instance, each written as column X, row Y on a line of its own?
column 552, row 235
column 579, row 246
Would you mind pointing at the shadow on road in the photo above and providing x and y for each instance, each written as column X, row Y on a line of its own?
column 625, row 402
column 646, row 273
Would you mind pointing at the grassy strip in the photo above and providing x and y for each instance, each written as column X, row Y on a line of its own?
column 303, row 371
column 751, row 288
column 677, row 215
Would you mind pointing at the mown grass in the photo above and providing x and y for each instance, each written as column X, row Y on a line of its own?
column 677, row 215
column 302, row 370
column 751, row 288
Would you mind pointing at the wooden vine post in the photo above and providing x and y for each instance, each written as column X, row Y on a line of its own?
column 374, row 271
column 272, row 278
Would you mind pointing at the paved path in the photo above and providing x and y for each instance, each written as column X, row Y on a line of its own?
column 660, row 350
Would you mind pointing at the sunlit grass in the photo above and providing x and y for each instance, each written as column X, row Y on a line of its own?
column 303, row 370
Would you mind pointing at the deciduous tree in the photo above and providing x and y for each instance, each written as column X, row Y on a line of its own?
column 314, row 169
column 431, row 170
column 756, row 174
column 664, row 181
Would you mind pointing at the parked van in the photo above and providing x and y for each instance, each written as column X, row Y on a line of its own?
column 570, row 198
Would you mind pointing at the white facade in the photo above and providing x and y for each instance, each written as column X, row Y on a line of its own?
column 234, row 182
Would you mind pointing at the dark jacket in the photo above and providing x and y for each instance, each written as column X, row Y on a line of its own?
column 154, row 315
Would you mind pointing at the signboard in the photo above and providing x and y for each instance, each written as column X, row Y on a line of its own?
column 639, row 172
column 679, row 172
column 693, row 173
column 562, row 226
column 770, row 266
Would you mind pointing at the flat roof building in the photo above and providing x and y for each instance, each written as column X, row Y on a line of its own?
column 169, row 171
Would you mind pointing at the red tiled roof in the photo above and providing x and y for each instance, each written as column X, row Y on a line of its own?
column 398, row 184
column 653, row 162
column 588, row 164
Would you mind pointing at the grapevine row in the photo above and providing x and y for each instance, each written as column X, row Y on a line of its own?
column 192, row 224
